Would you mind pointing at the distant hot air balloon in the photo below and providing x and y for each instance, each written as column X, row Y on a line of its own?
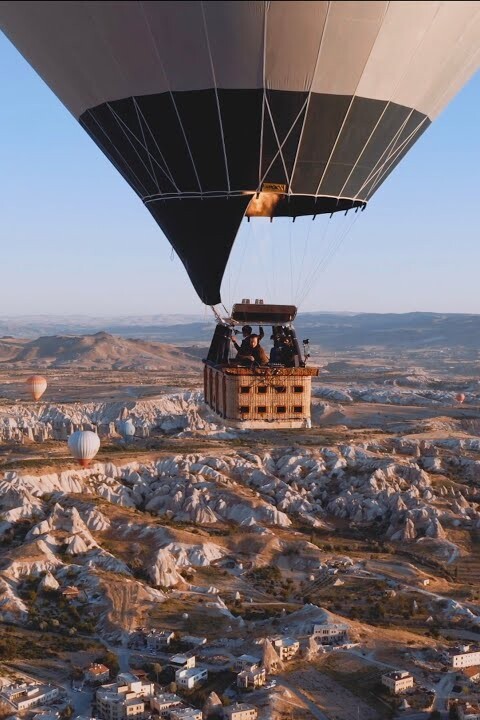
column 460, row 398
column 37, row 385
column 84, row 445
column 126, row 429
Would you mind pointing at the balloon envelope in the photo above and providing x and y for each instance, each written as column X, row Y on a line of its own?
column 37, row 385
column 460, row 398
column 127, row 429
column 84, row 445
column 214, row 110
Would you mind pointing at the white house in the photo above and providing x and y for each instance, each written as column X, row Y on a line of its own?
column 247, row 662
column 189, row 678
column 464, row 657
column 123, row 699
column 251, row 678
column 240, row 711
column 397, row 681
column 97, row 673
column 286, row 647
column 23, row 696
column 186, row 713
column 331, row 633
column 164, row 702
column 183, row 660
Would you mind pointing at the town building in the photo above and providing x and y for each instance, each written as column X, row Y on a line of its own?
column 23, row 696
column 186, row 713
column 158, row 640
column 164, row 702
column 472, row 673
column 331, row 633
column 468, row 711
column 286, row 647
column 240, row 711
column 247, row 662
column 97, row 673
column 125, row 698
column 46, row 716
column 397, row 681
column 251, row 678
column 183, row 661
column 189, row 678
column 140, row 674
column 464, row 657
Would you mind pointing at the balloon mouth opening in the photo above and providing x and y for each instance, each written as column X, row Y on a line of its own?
column 263, row 204
column 84, row 463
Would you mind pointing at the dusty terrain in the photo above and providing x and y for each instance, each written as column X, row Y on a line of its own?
column 371, row 518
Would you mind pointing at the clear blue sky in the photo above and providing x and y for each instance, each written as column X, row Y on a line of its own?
column 76, row 239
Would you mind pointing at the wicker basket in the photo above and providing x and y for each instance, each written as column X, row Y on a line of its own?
column 260, row 397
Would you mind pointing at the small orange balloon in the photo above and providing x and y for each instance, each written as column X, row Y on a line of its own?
column 460, row 398
column 37, row 385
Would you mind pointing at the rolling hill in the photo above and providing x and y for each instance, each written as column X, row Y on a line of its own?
column 97, row 351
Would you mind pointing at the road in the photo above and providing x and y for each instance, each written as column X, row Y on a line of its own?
column 442, row 690
column 81, row 701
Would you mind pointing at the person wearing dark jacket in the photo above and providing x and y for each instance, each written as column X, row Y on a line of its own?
column 244, row 350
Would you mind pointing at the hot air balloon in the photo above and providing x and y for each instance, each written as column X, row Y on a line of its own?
column 37, row 385
column 84, row 445
column 126, row 429
column 216, row 110
column 460, row 398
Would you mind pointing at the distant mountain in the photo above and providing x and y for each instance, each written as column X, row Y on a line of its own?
column 97, row 351
column 331, row 331
column 406, row 331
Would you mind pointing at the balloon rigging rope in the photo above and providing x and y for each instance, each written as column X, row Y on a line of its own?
column 381, row 173
column 392, row 95
column 157, row 52
column 300, row 270
column 145, row 145
column 351, row 103
column 238, row 274
column 121, row 124
column 312, row 271
column 166, row 167
column 392, row 151
column 393, row 155
column 279, row 145
column 291, row 261
column 332, row 249
column 216, row 95
column 307, row 103
column 260, row 159
column 141, row 185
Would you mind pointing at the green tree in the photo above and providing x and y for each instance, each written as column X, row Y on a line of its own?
column 157, row 669
column 111, row 661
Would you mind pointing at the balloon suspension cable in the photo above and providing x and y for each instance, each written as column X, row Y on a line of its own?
column 218, row 317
